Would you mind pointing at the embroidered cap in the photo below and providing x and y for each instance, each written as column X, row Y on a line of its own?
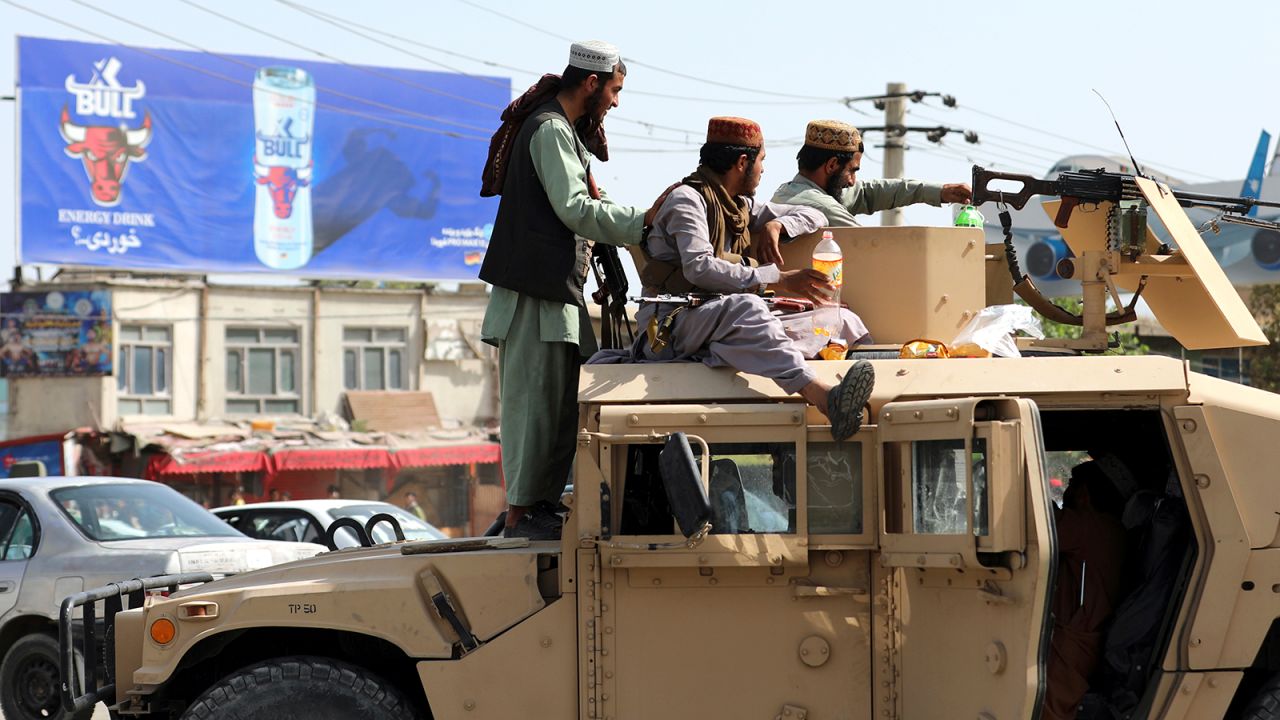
column 734, row 131
column 595, row 55
column 833, row 135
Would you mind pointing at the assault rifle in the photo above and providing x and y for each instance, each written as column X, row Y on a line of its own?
column 611, row 296
column 1123, row 253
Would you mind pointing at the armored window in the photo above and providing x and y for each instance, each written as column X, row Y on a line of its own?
column 752, row 490
column 836, row 496
column 144, row 372
column 373, row 358
column 943, row 475
column 263, row 368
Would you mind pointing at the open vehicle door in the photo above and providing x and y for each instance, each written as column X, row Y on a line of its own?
column 968, row 550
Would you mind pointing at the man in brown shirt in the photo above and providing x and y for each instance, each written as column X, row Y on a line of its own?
column 1091, row 552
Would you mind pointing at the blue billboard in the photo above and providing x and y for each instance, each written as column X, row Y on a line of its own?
column 168, row 160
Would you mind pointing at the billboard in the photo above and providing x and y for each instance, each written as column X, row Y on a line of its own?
column 169, row 160
column 47, row 449
column 61, row 332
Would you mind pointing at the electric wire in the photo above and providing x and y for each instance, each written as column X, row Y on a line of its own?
column 1076, row 141
column 336, row 93
column 237, row 81
column 342, row 22
column 639, row 63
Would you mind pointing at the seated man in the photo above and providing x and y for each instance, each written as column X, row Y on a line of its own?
column 828, row 180
column 699, row 243
column 1091, row 552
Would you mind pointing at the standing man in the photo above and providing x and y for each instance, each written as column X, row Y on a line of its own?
column 829, row 162
column 411, row 504
column 537, row 262
column 699, row 244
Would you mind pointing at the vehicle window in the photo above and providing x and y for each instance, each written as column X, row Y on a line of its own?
column 752, row 490
column 413, row 527
column 291, row 526
column 9, row 512
column 939, row 487
column 834, row 478
column 137, row 511
column 22, row 542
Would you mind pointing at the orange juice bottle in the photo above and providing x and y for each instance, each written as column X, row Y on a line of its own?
column 828, row 259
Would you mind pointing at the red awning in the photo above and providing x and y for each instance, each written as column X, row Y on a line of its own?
column 190, row 463
column 447, row 455
column 330, row 458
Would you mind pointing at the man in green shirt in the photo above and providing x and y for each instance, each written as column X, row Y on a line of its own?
column 537, row 262
column 829, row 162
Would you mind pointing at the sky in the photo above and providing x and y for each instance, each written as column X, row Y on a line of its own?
column 1191, row 83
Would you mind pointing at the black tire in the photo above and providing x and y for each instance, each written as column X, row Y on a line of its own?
column 1265, row 704
column 30, row 682
column 315, row 688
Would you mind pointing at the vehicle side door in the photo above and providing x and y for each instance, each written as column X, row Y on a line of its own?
column 967, row 553
column 19, row 536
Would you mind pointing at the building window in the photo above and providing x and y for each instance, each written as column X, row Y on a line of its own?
column 374, row 358
column 143, row 374
column 262, row 371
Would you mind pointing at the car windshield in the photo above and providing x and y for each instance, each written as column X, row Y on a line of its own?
column 414, row 529
column 137, row 511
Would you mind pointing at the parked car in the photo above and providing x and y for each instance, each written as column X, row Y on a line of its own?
column 308, row 520
column 60, row 535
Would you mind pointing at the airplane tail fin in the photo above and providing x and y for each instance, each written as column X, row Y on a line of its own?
column 1252, row 187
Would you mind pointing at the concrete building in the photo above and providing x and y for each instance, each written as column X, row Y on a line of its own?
column 257, row 374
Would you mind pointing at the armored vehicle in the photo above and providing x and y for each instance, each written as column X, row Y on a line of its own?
column 722, row 557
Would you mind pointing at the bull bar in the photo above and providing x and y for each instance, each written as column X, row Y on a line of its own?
column 99, row 682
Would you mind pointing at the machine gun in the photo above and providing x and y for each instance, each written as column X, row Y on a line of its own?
column 1113, row 245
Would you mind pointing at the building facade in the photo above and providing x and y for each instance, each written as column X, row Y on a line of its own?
column 265, row 379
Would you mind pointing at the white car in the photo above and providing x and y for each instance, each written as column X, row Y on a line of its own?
column 60, row 535
column 309, row 520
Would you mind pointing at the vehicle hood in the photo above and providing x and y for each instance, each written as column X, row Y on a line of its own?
column 218, row 556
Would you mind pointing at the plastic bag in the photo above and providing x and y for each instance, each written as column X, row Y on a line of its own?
column 992, row 332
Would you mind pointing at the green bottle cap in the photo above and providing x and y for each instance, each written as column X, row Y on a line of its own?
column 969, row 217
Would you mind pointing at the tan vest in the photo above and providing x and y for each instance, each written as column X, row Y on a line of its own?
column 727, row 219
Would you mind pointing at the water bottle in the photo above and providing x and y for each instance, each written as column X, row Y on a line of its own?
column 969, row 217
column 284, row 102
column 827, row 258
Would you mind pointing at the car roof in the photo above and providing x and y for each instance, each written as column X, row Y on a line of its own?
column 54, row 482
column 325, row 504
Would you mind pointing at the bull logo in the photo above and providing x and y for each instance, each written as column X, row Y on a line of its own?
column 106, row 152
column 283, row 183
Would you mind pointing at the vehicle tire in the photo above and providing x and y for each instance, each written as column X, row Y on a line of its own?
column 315, row 688
column 1265, row 704
column 30, row 683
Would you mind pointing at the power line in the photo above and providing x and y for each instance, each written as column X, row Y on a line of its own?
column 236, row 81
column 345, row 96
column 1078, row 142
column 340, row 61
column 639, row 63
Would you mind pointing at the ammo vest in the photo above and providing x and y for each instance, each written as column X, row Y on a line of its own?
column 660, row 277
column 530, row 250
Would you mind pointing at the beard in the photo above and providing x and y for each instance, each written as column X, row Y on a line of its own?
column 596, row 107
column 835, row 186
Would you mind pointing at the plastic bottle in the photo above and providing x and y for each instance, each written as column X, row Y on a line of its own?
column 827, row 258
column 969, row 217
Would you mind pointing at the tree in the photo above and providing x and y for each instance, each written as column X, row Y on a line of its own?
column 1130, row 344
column 1264, row 362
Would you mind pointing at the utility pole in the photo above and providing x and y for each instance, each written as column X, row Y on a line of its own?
column 895, row 116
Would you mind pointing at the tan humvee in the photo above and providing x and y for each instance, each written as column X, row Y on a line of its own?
column 905, row 573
